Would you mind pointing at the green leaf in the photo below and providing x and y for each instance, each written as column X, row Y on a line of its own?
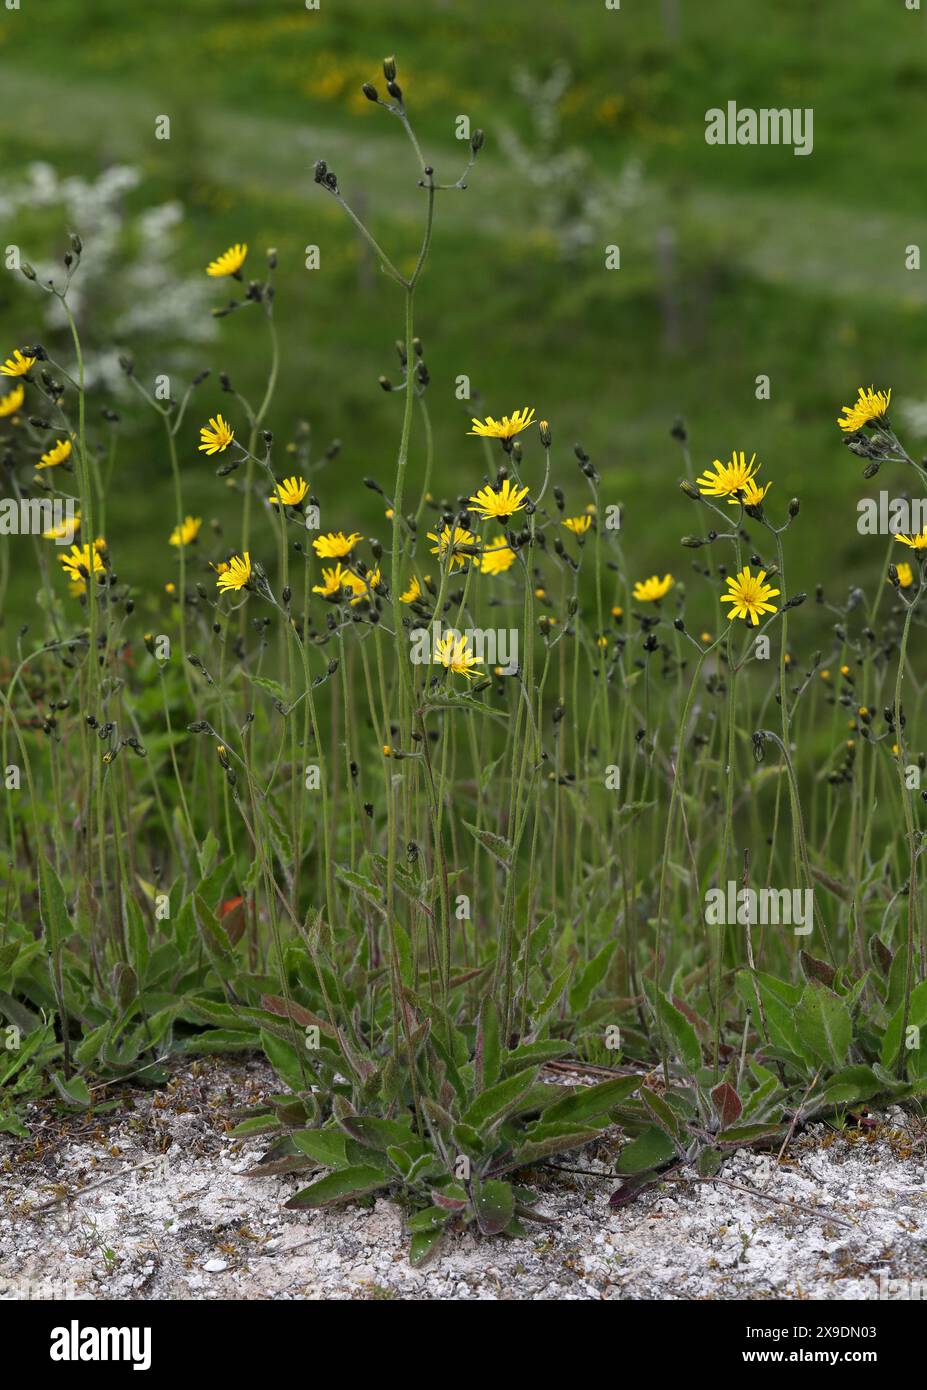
column 849, row 1085
column 749, row 1134
column 593, row 974
column 324, row 1145
column 285, row 1061
column 501, row 849
column 585, row 1102
column 341, row 1186
column 494, row 1203
column 495, row 1102
column 823, row 1024
column 52, row 906
column 423, row 1245
column 709, row 1161
column 648, row 1150
column 74, row 1092
column 917, row 1018
column 487, row 1045
column 681, row 1033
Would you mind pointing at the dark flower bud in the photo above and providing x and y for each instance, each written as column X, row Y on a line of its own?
column 370, row 92
column 794, row 507
column 389, row 68
column 477, row 140
column 690, row 490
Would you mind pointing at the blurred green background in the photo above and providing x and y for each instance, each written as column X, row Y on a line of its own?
column 735, row 261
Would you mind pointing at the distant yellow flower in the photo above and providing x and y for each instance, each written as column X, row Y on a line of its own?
column 454, row 653
column 56, row 455
column 413, row 592
column 290, row 492
column 496, row 557
column 579, row 525
column 64, row 530
column 229, row 262
column 729, row 478
column 452, row 540
column 362, row 588
column 80, row 562
column 825, row 675
column 10, row 403
column 216, row 436
column 749, row 595
column 170, row 588
column 335, row 545
column 187, row 531
column 237, row 575
column 905, row 575
column 501, row 504
column 506, row 428
column 17, row 365
column 918, row 542
column 333, row 580
column 652, row 589
column 617, row 611
column 601, row 642
column 870, row 405
column 705, row 637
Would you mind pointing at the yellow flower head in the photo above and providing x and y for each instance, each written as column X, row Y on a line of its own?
column 236, row 575
column 362, row 588
column 579, row 525
column 870, row 405
column 501, row 504
column 506, row 428
column 230, row 262
column 290, row 492
column 497, row 557
column 918, row 542
column 17, row 365
column 335, row 545
column 64, row 530
column 413, row 592
column 905, row 575
column 731, row 478
column 56, row 455
column 80, row 562
column 454, row 653
column 333, row 580
column 187, row 531
column 216, row 436
column 752, row 494
column 652, row 589
column 10, row 403
column 749, row 595
column 452, row 540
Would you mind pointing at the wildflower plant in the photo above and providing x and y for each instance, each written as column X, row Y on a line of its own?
column 459, row 903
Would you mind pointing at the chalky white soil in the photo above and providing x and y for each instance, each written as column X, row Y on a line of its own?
column 841, row 1212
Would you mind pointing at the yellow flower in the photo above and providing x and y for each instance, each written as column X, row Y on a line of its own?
column 187, row 531
column 413, row 592
column 652, row 589
column 216, row 436
column 333, row 580
column 230, row 262
column 705, row 637
column 454, row 653
column 236, row 575
column 290, row 492
column 749, row 595
column 579, row 525
column 497, row 557
column 751, row 493
column 918, row 542
column 501, row 504
column 729, row 478
column 64, row 531
column 17, row 365
column 335, row 545
column 80, row 562
column 870, row 405
column 170, row 588
column 601, row 642
column 617, row 611
column 56, row 455
column 905, row 575
column 361, row 588
column 452, row 541
column 506, row 428
column 10, row 403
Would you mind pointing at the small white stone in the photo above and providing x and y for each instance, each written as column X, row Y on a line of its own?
column 215, row 1266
